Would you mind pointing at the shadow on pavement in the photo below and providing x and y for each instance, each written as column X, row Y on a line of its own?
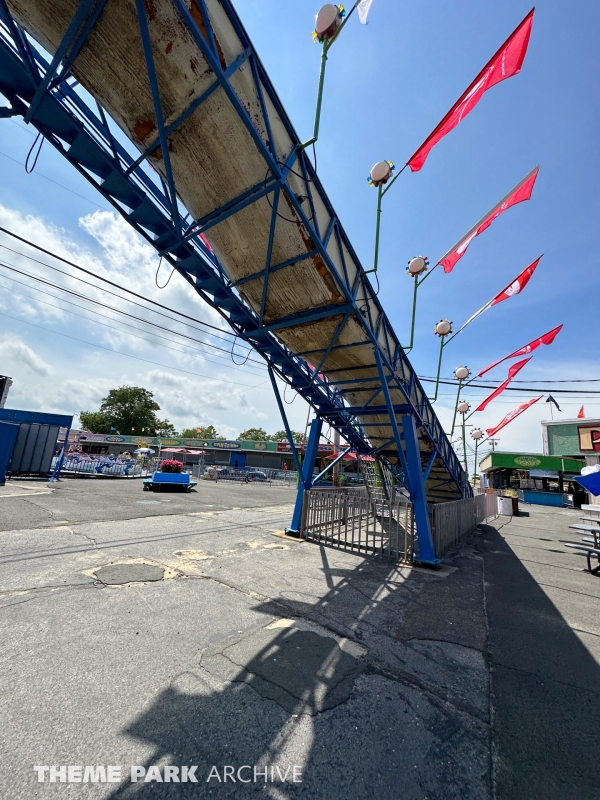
column 344, row 709
column 545, row 687
column 397, row 708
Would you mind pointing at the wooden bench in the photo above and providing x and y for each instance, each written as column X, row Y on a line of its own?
column 159, row 480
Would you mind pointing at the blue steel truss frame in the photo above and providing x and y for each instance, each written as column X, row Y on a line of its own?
column 47, row 96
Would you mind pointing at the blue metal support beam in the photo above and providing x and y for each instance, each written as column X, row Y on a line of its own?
column 418, row 496
column 306, row 478
column 58, row 466
column 265, row 289
column 69, row 38
column 296, row 260
column 286, row 424
column 158, row 112
column 63, row 117
column 333, row 463
column 430, row 463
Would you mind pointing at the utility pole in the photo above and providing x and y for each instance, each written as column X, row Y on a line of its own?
column 336, row 450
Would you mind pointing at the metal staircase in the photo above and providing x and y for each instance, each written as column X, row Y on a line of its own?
column 204, row 152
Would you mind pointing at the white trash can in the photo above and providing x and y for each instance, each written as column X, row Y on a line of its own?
column 505, row 506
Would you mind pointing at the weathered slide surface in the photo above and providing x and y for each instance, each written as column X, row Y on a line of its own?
column 313, row 295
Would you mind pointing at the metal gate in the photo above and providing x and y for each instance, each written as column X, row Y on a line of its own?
column 354, row 520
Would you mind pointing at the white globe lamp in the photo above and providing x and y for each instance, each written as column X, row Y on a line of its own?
column 443, row 328
column 461, row 373
column 463, row 407
column 327, row 21
column 417, row 265
column 380, row 173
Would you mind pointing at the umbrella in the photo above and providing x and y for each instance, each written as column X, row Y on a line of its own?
column 144, row 451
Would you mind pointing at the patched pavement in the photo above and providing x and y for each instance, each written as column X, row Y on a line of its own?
column 205, row 638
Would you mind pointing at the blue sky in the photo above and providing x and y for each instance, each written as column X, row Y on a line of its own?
column 388, row 84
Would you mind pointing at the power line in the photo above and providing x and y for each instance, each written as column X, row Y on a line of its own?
column 127, row 355
column 112, row 308
column 56, row 183
column 513, row 388
column 120, row 330
column 104, row 280
column 113, row 294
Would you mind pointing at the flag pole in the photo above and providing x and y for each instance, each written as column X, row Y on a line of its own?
column 326, row 46
column 465, row 446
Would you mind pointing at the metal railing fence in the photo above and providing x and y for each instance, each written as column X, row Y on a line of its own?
column 351, row 520
column 452, row 522
column 262, row 476
column 100, row 466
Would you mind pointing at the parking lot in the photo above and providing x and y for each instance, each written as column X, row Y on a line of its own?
column 90, row 499
column 151, row 630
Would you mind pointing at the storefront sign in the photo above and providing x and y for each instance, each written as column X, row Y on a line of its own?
column 589, row 438
column 194, row 443
column 220, row 445
column 260, row 446
column 527, row 461
column 165, row 442
column 114, row 438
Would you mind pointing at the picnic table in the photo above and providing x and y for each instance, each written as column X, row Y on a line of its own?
column 590, row 545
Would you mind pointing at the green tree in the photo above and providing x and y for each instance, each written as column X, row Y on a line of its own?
column 281, row 436
column 199, row 432
column 95, row 421
column 128, row 409
column 254, row 434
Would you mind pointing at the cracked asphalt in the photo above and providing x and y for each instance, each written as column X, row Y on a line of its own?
column 189, row 631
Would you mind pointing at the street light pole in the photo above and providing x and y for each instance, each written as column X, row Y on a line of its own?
column 329, row 23
column 442, row 329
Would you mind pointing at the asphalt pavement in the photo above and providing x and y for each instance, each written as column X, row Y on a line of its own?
column 190, row 639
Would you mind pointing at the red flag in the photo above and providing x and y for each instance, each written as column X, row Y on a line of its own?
column 504, row 64
column 521, row 192
column 581, row 414
column 547, row 338
column 511, row 374
column 512, row 415
column 519, row 283
column 206, row 243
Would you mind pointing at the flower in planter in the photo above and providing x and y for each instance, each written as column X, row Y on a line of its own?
column 171, row 465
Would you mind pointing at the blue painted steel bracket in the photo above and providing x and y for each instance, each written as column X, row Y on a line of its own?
column 85, row 139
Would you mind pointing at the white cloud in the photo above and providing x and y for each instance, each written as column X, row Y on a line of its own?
column 20, row 354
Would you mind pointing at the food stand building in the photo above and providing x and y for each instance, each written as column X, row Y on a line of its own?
column 540, row 479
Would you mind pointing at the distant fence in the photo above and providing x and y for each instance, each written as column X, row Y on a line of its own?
column 261, row 476
column 99, row 466
column 352, row 520
column 452, row 522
